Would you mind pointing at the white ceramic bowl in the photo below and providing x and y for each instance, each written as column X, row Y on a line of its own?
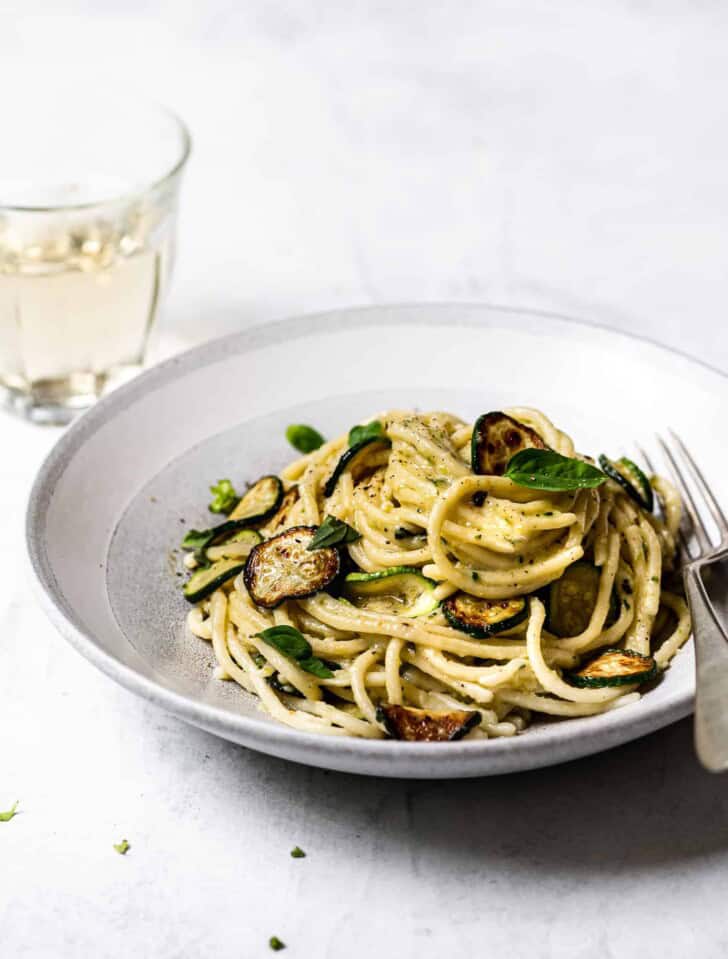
column 105, row 510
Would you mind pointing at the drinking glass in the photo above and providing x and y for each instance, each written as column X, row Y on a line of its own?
column 88, row 201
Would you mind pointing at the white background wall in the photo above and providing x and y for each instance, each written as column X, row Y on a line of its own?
column 570, row 155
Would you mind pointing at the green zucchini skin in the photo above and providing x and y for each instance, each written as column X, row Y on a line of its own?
column 283, row 567
column 204, row 582
column 615, row 667
column 403, row 533
column 632, row 480
column 250, row 536
column 426, row 725
column 275, row 683
column 496, row 438
column 348, row 459
column 360, row 586
column 235, row 522
column 216, row 534
column 260, row 502
column 471, row 615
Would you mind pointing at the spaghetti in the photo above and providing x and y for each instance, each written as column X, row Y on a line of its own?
column 571, row 573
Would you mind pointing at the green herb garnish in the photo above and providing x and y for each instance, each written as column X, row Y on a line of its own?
column 297, row 853
column 292, row 643
column 367, row 431
column 304, row 438
column 333, row 532
column 317, row 667
column 275, row 943
column 122, row 847
column 196, row 539
column 224, row 498
column 546, row 470
column 9, row 813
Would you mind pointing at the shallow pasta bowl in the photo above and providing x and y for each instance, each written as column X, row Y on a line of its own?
column 112, row 500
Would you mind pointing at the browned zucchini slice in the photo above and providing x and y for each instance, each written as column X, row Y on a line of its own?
column 260, row 502
column 571, row 600
column 484, row 617
column 496, row 438
column 356, row 461
column 615, row 667
column 281, row 520
column 284, row 568
column 426, row 725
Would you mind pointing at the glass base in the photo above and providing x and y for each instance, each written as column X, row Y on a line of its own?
column 55, row 402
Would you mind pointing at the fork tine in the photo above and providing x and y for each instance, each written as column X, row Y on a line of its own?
column 645, row 458
column 698, row 525
column 713, row 505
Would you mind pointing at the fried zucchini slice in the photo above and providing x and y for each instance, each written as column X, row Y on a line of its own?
column 496, row 438
column 237, row 546
column 484, row 617
column 397, row 591
column 427, row 725
column 615, row 667
column 572, row 598
column 260, row 502
column 284, row 568
column 281, row 519
column 205, row 581
column 631, row 478
column 199, row 540
column 357, row 460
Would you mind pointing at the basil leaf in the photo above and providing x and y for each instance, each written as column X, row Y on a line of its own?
column 546, row 470
column 122, row 847
column 196, row 539
column 369, row 431
column 293, row 644
column 333, row 532
column 304, row 438
column 314, row 666
column 8, row 815
column 224, row 497
column 287, row 640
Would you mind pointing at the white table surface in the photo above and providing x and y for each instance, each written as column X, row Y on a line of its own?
column 570, row 156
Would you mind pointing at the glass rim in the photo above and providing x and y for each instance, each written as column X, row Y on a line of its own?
column 185, row 150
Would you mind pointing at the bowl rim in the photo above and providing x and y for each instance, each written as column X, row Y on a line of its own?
column 543, row 746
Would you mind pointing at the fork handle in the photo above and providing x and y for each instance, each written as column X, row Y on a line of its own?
column 711, row 692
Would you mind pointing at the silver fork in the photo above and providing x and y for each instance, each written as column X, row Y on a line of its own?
column 709, row 632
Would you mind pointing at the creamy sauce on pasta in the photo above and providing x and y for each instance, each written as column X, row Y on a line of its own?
column 514, row 542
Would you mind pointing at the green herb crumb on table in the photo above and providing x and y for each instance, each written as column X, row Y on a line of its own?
column 297, row 853
column 9, row 813
column 275, row 943
column 122, row 847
